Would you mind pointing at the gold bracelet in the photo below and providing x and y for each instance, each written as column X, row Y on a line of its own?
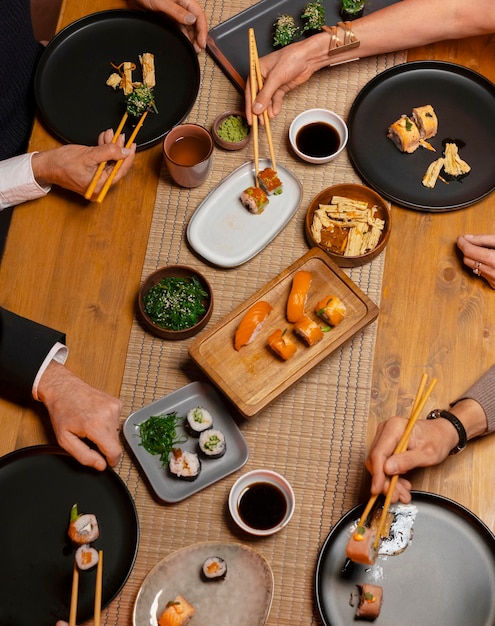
column 337, row 45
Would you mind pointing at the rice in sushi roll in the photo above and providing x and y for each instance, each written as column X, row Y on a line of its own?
column 86, row 557
column 184, row 465
column 214, row 568
column 212, row 443
column 198, row 420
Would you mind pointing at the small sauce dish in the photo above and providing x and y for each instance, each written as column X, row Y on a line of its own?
column 228, row 128
column 318, row 135
column 261, row 502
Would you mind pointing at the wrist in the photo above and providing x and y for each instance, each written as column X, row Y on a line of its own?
column 472, row 416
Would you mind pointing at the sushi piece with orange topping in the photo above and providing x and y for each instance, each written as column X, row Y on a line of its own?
column 370, row 602
column 360, row 547
column 281, row 343
column 331, row 309
column 301, row 282
column 178, row 612
column 308, row 330
column 251, row 323
column 270, row 182
column 254, row 199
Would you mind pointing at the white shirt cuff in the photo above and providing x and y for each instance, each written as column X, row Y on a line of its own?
column 59, row 353
column 17, row 181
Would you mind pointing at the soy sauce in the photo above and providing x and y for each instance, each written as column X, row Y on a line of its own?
column 262, row 506
column 318, row 139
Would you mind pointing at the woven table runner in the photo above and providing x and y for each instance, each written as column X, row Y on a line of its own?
column 314, row 434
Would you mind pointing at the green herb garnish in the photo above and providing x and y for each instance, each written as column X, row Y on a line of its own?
column 176, row 303
column 159, row 435
column 141, row 99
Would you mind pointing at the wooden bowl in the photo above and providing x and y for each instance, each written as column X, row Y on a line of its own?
column 223, row 143
column 174, row 271
column 355, row 192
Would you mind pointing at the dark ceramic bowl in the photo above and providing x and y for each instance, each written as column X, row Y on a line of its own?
column 177, row 271
column 229, row 145
column 355, row 192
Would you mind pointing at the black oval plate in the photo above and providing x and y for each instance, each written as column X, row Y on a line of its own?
column 38, row 486
column 70, row 81
column 445, row 576
column 465, row 105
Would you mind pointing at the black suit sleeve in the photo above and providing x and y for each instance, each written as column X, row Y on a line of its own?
column 23, row 348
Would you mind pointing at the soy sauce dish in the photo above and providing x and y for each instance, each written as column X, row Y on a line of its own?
column 261, row 502
column 318, row 136
column 175, row 302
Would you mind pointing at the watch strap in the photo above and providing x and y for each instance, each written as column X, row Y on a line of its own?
column 456, row 423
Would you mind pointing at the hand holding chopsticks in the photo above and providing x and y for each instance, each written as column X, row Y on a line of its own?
column 98, row 591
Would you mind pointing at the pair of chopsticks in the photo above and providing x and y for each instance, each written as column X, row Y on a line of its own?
column 422, row 396
column 256, row 81
column 91, row 188
column 75, row 592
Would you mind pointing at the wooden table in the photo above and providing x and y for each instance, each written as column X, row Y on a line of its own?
column 435, row 315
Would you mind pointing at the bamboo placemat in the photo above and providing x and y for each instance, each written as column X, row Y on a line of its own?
column 315, row 434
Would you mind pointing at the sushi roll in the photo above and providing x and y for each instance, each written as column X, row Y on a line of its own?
column 184, row 465
column 251, row 323
column 331, row 309
column 426, row 120
column 214, row 568
column 404, row 134
column 83, row 528
column 370, row 602
column 301, row 282
column 308, row 330
column 254, row 199
column 360, row 547
column 86, row 557
column 178, row 612
column 281, row 343
column 212, row 443
column 198, row 420
column 270, row 182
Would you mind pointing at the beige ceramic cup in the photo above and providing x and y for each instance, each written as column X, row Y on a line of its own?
column 188, row 149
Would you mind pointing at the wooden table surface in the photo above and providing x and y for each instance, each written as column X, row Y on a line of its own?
column 435, row 315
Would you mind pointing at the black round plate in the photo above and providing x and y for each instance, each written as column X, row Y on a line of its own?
column 445, row 576
column 464, row 102
column 38, row 487
column 70, row 82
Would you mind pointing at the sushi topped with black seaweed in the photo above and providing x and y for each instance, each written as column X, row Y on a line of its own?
column 198, row 420
column 214, row 568
column 212, row 443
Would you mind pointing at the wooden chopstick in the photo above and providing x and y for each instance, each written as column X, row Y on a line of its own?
column 418, row 405
column 98, row 592
column 118, row 164
column 254, row 92
column 91, row 187
column 266, row 118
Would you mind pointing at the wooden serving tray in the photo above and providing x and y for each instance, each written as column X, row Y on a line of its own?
column 254, row 376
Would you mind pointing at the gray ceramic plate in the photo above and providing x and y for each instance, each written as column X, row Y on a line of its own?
column 445, row 576
column 243, row 597
column 171, row 489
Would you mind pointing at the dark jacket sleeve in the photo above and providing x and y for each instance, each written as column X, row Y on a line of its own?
column 23, row 347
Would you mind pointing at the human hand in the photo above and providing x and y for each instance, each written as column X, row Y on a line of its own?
column 188, row 13
column 429, row 444
column 479, row 249
column 73, row 166
column 78, row 411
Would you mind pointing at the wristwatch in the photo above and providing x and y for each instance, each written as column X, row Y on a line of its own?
column 456, row 423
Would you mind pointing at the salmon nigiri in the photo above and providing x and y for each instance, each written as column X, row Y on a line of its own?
column 251, row 323
column 308, row 330
column 280, row 342
column 177, row 613
column 301, row 283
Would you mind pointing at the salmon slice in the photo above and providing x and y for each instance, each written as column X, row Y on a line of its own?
column 281, row 343
column 360, row 547
column 309, row 331
column 177, row 613
column 251, row 323
column 301, row 283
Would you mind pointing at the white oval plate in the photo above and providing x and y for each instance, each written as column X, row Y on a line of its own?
column 225, row 233
column 243, row 597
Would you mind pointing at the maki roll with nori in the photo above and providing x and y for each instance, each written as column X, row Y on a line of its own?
column 212, row 443
column 198, row 420
column 183, row 464
column 214, row 568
